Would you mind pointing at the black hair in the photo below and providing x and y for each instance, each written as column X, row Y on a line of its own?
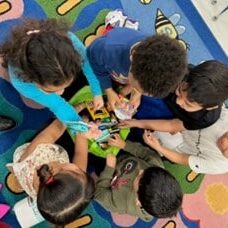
column 207, row 83
column 159, row 193
column 159, row 64
column 42, row 52
column 61, row 198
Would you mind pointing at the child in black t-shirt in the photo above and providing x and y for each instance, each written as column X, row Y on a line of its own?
column 196, row 103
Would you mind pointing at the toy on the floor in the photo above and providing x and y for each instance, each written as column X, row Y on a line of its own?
column 116, row 18
column 104, row 118
column 125, row 110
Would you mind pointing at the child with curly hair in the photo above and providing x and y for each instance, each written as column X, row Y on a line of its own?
column 148, row 65
column 43, row 58
column 196, row 103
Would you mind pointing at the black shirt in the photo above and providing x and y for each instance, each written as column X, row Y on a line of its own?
column 192, row 120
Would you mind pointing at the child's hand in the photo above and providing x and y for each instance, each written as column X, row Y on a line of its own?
column 151, row 140
column 126, row 90
column 111, row 161
column 127, row 123
column 115, row 140
column 113, row 98
column 98, row 102
column 93, row 133
column 135, row 99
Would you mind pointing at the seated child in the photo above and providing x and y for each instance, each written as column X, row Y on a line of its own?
column 197, row 102
column 205, row 150
column 136, row 183
column 43, row 58
column 62, row 189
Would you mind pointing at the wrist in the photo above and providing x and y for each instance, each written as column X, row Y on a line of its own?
column 160, row 149
column 109, row 91
column 123, row 145
column 81, row 135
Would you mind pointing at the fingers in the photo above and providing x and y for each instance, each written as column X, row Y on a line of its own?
column 116, row 136
column 115, row 103
column 110, row 156
column 147, row 136
column 114, row 140
column 98, row 102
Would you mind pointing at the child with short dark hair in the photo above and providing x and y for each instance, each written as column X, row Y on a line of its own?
column 152, row 65
column 43, row 58
column 159, row 193
column 136, row 183
column 197, row 102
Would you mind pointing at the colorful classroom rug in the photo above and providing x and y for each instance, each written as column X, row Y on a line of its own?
column 206, row 199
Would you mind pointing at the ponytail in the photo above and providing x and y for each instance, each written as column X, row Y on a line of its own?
column 45, row 175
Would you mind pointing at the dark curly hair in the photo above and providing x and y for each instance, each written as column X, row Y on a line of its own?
column 62, row 199
column 159, row 193
column 42, row 52
column 207, row 83
column 159, row 64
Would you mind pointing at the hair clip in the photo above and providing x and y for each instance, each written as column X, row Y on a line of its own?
column 49, row 180
column 32, row 31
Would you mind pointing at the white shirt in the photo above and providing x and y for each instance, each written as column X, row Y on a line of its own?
column 205, row 156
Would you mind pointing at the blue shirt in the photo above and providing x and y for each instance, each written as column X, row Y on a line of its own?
column 110, row 54
column 58, row 105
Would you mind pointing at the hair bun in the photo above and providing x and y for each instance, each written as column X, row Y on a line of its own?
column 45, row 174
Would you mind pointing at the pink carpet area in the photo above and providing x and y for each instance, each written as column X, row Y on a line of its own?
column 206, row 197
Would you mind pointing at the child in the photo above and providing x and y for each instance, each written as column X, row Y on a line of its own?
column 152, row 65
column 43, row 58
column 137, row 183
column 205, row 150
column 197, row 102
column 62, row 189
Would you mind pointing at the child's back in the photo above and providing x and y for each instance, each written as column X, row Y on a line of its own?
column 119, row 185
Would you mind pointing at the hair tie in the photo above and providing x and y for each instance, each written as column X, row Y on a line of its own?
column 49, row 180
column 32, row 31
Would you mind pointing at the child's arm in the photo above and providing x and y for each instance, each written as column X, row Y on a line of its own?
column 87, row 70
column 136, row 149
column 81, row 151
column 59, row 106
column 173, row 125
column 81, row 146
column 113, row 98
column 49, row 135
column 168, row 153
column 104, row 193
